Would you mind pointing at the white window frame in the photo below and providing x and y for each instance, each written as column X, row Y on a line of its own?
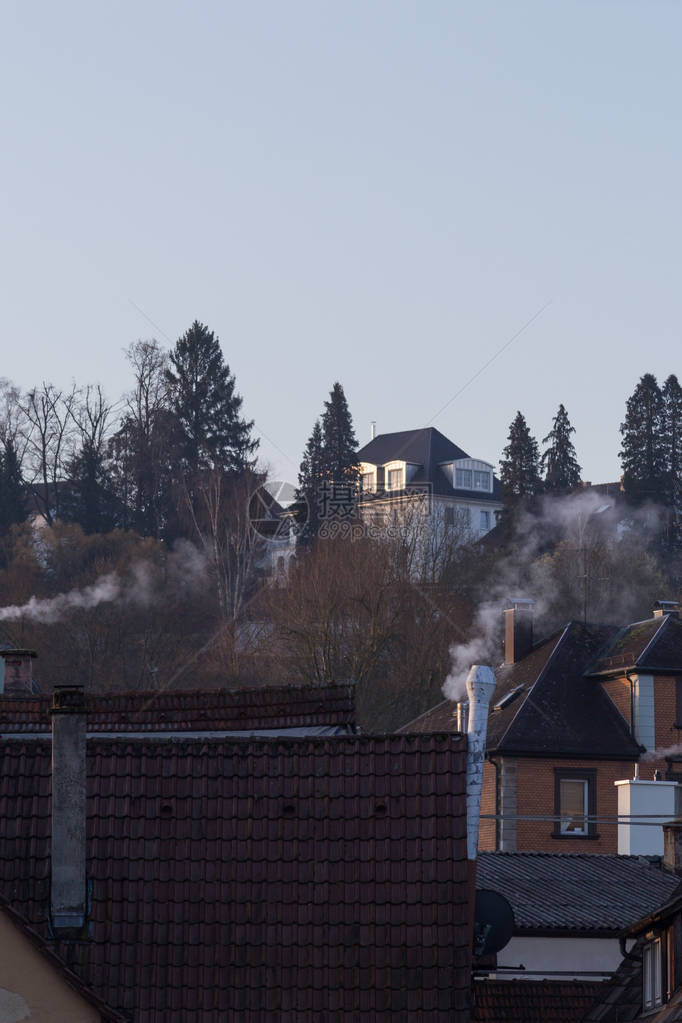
column 401, row 477
column 652, row 974
column 567, row 824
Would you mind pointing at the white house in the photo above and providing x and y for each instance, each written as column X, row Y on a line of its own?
column 422, row 475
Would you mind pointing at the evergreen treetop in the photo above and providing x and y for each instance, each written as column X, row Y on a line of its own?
column 520, row 464
column 206, row 406
column 643, row 451
column 672, row 438
column 339, row 444
column 559, row 462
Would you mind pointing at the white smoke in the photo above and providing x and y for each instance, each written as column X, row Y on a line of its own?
column 48, row 610
column 581, row 521
column 187, row 567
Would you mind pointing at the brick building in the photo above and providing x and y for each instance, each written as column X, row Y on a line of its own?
column 572, row 715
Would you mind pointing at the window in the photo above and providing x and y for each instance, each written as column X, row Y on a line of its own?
column 652, row 974
column 449, row 516
column 481, row 481
column 485, row 521
column 395, row 479
column 463, row 478
column 367, row 482
column 574, row 803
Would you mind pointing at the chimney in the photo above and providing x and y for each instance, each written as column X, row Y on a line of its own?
column 68, row 888
column 372, row 429
column 480, row 687
column 672, row 846
column 666, row 607
column 518, row 629
column 17, row 674
column 644, row 808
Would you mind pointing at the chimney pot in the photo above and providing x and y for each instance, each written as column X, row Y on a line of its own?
column 666, row 607
column 480, row 687
column 672, row 846
column 17, row 672
column 518, row 629
column 68, row 885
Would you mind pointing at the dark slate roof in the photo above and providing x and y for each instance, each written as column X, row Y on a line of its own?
column 245, row 709
column 426, row 448
column 255, row 880
column 652, row 645
column 575, row 892
column 558, row 711
column 534, row 1001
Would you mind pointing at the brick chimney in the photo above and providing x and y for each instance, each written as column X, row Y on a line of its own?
column 68, row 884
column 17, row 675
column 518, row 629
column 672, row 847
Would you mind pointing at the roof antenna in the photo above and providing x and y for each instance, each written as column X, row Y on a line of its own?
column 372, row 429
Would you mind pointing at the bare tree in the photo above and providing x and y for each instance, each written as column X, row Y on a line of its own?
column 48, row 432
column 141, row 448
column 217, row 506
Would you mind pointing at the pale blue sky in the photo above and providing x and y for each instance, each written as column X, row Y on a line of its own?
column 376, row 192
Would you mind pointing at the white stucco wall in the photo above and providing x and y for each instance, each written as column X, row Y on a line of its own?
column 581, row 955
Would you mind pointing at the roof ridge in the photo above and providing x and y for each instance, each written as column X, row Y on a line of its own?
column 537, row 680
column 659, row 630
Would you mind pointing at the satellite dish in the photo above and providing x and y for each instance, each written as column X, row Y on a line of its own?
column 493, row 922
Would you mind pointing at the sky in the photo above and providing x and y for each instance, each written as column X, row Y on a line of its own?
column 380, row 193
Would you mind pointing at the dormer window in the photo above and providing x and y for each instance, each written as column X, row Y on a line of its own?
column 464, row 479
column 395, row 479
column 481, row 480
column 367, row 481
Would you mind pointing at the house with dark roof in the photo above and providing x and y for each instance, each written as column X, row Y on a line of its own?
column 213, row 877
column 570, row 909
column 417, row 476
column 584, row 728
column 648, row 983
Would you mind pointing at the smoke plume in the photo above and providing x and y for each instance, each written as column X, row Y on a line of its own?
column 570, row 557
column 187, row 571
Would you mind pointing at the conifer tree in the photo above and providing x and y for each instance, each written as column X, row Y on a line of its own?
column 206, row 406
column 643, row 451
column 559, row 462
column 12, row 490
column 672, row 438
column 310, row 478
column 520, row 465
column 311, row 472
column 339, row 443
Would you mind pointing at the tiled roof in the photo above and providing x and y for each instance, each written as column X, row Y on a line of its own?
column 534, row 1001
column 558, row 710
column 655, row 644
column 256, row 880
column 576, row 892
column 267, row 707
column 427, row 448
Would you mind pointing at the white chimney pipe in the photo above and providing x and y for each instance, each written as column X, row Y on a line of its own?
column 372, row 429
column 480, row 686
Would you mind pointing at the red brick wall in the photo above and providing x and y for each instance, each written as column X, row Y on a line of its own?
column 618, row 689
column 486, row 829
column 536, row 797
